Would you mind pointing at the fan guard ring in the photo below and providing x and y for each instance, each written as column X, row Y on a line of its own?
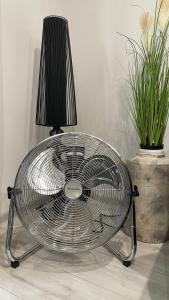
column 73, row 192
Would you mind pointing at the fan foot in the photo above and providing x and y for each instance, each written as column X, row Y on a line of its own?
column 127, row 263
column 15, row 264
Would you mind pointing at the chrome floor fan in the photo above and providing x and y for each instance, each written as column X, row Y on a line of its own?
column 73, row 193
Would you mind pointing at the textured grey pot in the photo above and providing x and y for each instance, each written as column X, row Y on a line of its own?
column 151, row 174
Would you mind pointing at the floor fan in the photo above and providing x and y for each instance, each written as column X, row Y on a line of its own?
column 72, row 191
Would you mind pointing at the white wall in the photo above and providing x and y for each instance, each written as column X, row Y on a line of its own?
column 20, row 39
column 100, row 69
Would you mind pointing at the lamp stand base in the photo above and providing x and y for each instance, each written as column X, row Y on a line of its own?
column 56, row 130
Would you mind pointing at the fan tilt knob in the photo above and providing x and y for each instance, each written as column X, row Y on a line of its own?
column 73, row 189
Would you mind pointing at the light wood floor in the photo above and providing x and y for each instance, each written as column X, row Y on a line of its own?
column 89, row 276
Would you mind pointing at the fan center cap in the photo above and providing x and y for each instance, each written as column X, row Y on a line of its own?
column 73, row 189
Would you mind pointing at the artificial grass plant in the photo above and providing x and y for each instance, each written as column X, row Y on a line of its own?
column 149, row 77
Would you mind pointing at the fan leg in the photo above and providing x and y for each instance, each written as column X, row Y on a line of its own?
column 15, row 261
column 15, row 264
column 128, row 259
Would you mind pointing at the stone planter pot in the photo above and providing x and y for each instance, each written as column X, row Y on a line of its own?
column 150, row 172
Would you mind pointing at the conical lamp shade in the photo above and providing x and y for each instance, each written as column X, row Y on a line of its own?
column 56, row 104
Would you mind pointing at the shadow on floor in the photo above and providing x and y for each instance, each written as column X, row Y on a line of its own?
column 155, row 268
column 52, row 261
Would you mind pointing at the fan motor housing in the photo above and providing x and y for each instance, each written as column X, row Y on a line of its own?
column 73, row 189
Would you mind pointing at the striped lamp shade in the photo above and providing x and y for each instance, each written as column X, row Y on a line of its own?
column 56, row 104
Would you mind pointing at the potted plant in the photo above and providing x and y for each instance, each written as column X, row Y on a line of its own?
column 149, row 82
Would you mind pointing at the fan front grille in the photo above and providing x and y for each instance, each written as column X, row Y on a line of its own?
column 73, row 192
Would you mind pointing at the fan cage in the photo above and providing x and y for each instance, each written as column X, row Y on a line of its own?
column 80, row 224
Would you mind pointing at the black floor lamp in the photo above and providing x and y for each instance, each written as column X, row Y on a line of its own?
column 56, row 104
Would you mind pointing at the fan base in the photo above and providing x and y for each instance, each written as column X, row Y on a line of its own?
column 15, row 264
column 15, row 261
column 127, row 263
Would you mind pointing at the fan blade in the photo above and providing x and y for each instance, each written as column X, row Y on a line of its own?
column 75, row 156
column 54, row 208
column 43, row 176
column 98, row 181
column 99, row 165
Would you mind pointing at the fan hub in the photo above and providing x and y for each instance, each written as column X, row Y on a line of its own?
column 73, row 189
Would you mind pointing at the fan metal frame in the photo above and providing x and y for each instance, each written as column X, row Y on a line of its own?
column 12, row 194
